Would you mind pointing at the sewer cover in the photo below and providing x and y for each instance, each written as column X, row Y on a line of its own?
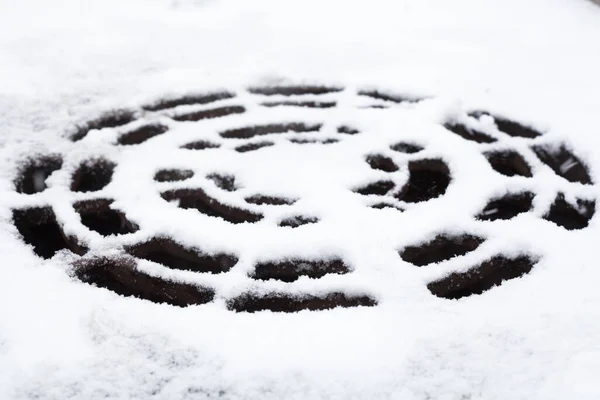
column 263, row 197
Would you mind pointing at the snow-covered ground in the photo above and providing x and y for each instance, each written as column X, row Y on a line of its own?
column 537, row 62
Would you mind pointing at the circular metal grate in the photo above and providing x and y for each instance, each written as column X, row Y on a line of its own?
column 173, row 202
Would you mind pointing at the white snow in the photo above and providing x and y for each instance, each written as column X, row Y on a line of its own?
column 537, row 62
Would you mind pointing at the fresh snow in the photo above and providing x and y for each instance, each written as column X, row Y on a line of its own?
column 538, row 337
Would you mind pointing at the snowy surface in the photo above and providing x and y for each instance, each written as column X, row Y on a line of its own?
column 537, row 337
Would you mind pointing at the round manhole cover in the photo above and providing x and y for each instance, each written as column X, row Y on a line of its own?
column 289, row 198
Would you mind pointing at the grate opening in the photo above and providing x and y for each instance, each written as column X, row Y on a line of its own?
column 253, row 146
column 298, row 220
column 210, row 114
column 282, row 302
column 408, row 148
column 469, row 133
column 376, row 106
column 509, row 163
column 481, row 278
column 381, row 206
column 509, row 127
column 260, row 199
column 293, row 90
column 192, row 99
column 260, row 130
column 92, row 175
column 381, row 162
column 97, row 216
column 570, row 217
column 111, row 119
column 307, row 104
column 38, row 227
column 347, row 130
column 197, row 199
column 292, row 269
column 375, row 94
column 428, row 179
column 200, row 145
column 313, row 141
column 507, row 207
column 121, row 276
column 173, row 175
column 32, row 176
column 175, row 256
column 223, row 181
column 141, row 134
column 441, row 248
column 563, row 162
column 379, row 188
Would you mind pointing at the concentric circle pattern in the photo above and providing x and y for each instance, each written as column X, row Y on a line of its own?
column 276, row 198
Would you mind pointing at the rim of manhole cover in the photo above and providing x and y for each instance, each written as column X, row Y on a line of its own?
column 290, row 198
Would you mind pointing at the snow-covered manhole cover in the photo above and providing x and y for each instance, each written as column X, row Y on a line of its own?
column 281, row 198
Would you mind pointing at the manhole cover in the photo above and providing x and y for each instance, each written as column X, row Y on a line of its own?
column 259, row 197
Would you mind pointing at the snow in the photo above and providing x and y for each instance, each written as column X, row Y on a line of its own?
column 537, row 62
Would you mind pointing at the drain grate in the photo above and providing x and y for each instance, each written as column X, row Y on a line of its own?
column 290, row 127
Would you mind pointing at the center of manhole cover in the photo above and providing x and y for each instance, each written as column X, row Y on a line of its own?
column 258, row 197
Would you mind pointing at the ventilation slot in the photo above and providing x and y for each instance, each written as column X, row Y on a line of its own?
column 428, row 179
column 281, row 302
column 252, row 131
column 253, row 146
column 374, row 94
column 313, row 141
column 469, row 133
column 198, row 200
column 99, row 217
column 189, row 100
column 382, row 163
column 210, row 114
column 291, row 270
column 346, row 130
column 563, row 163
column 92, row 175
column 481, row 278
column 441, row 248
column 509, row 163
column 569, row 216
column 293, row 90
column 32, row 177
column 377, row 188
column 296, row 221
column 507, row 207
column 306, row 104
column 269, row 200
column 111, row 119
column 142, row 134
column 408, row 148
column 200, row 145
column 376, row 106
column 509, row 127
column 173, row 255
column 225, row 182
column 173, row 175
column 381, row 206
column 122, row 277
column 39, row 228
